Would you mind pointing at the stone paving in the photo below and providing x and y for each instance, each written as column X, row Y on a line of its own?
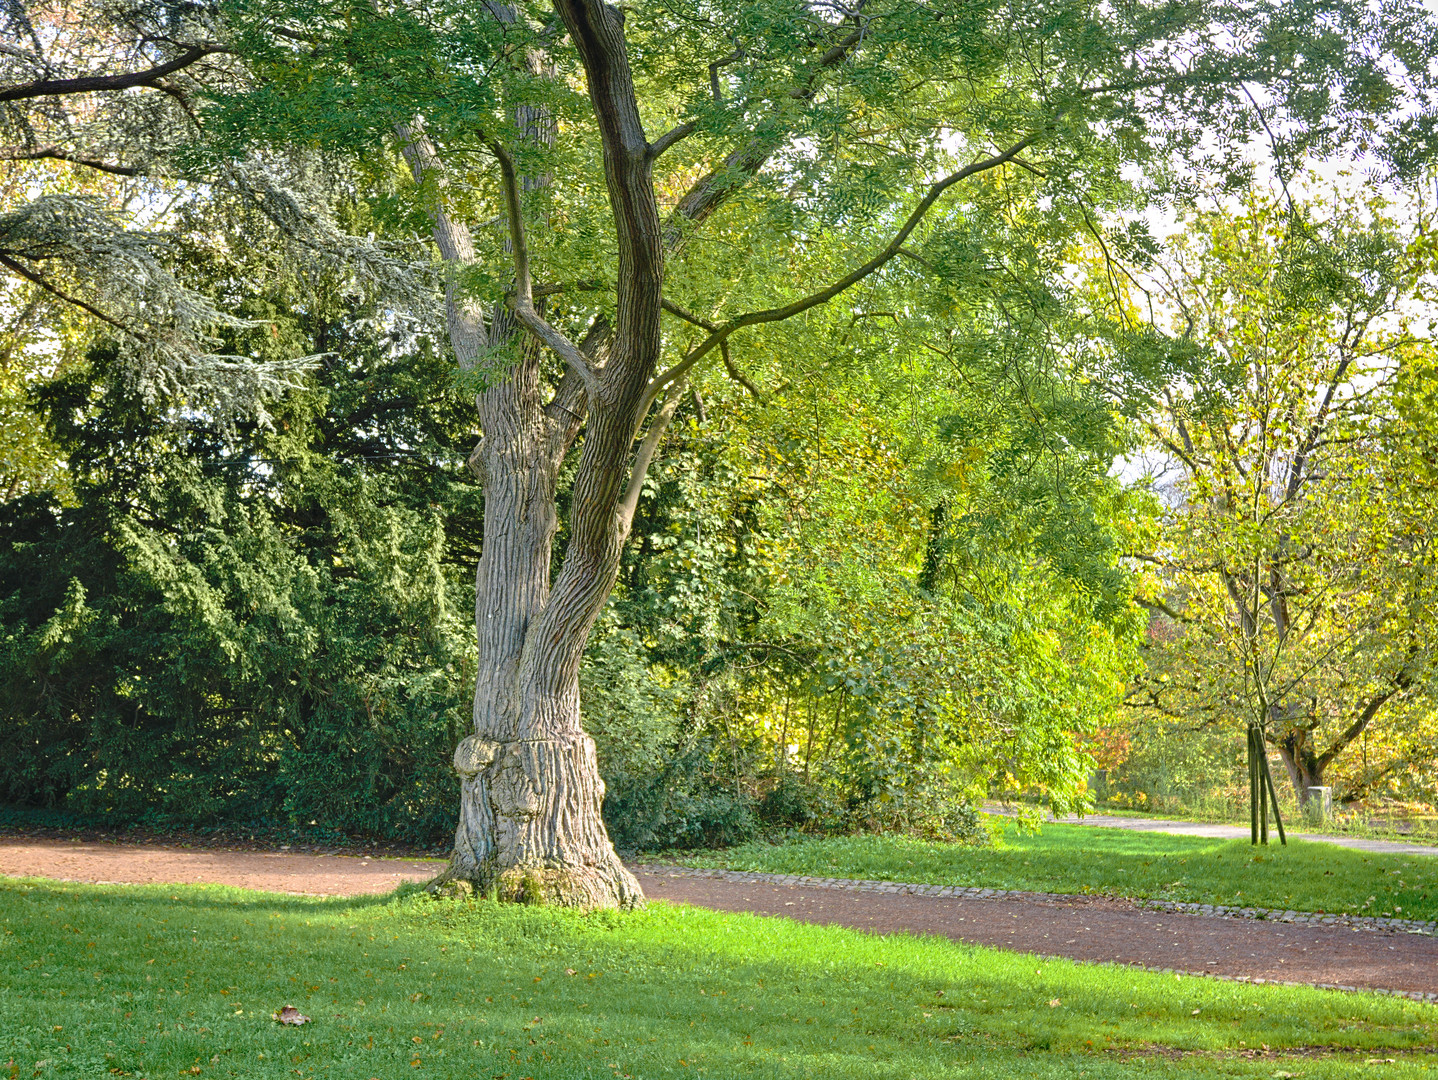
column 964, row 892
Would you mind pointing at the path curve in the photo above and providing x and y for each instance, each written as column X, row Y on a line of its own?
column 1078, row 927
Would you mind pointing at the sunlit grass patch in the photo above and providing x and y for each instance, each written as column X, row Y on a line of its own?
column 164, row 981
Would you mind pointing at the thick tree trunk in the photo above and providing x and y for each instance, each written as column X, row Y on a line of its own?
column 530, row 827
column 530, row 793
column 1305, row 767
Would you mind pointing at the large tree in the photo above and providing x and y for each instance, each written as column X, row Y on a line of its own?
column 1294, row 560
column 805, row 148
column 593, row 263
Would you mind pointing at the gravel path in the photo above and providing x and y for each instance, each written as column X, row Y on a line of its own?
column 1396, row 958
column 1087, row 928
column 148, row 864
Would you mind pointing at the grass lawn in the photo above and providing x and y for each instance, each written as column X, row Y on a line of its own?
column 1088, row 859
column 1423, row 829
column 167, row 981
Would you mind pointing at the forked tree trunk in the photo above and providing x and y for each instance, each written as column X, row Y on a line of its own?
column 530, row 827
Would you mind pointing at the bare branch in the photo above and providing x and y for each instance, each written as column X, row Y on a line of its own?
column 714, row 66
column 737, row 375
column 1162, row 607
column 54, row 153
column 34, row 278
column 824, row 295
column 687, row 315
column 95, row 83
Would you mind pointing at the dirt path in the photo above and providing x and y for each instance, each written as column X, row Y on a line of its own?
column 147, row 864
column 1081, row 928
column 1094, row 928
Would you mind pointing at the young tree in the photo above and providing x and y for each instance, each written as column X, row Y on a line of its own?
column 1295, row 559
column 806, row 147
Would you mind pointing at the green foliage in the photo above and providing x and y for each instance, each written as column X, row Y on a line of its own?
column 893, row 584
column 1293, row 583
column 264, row 624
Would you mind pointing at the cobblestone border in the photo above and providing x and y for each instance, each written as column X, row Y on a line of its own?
column 963, row 892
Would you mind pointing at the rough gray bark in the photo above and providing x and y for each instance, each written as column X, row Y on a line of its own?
column 530, row 826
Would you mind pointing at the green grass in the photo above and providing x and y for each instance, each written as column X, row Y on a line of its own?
column 1087, row 859
column 1423, row 829
column 175, row 981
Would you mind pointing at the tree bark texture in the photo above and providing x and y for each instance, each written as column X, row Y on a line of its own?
column 530, row 828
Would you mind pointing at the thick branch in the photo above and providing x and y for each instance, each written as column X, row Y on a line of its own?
column 672, row 136
column 687, row 315
column 645, row 454
column 1402, row 681
column 456, row 246
column 597, row 30
column 937, row 189
column 95, row 83
column 824, row 295
column 712, row 190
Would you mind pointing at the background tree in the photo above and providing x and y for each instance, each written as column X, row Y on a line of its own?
column 244, row 624
column 1293, row 563
column 105, row 196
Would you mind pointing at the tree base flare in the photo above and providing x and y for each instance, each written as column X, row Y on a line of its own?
column 587, row 888
column 530, row 830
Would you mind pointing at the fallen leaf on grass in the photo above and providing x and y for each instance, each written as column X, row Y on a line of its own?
column 290, row 1015
column 569, row 971
column 1054, row 1003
